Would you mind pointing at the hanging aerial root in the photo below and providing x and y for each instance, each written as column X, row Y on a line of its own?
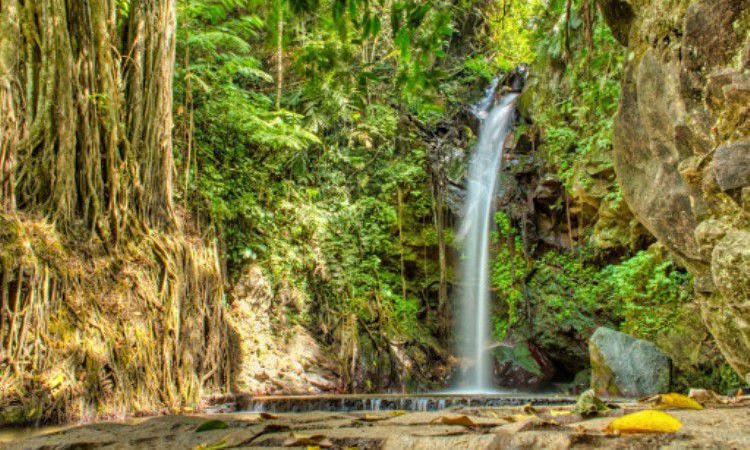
column 92, row 335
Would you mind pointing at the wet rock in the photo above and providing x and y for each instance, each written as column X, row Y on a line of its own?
column 522, row 366
column 731, row 165
column 549, row 188
column 624, row 366
column 454, row 199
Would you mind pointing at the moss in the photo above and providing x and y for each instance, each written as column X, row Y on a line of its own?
column 602, row 379
column 519, row 355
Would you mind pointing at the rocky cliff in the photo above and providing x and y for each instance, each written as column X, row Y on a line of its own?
column 682, row 146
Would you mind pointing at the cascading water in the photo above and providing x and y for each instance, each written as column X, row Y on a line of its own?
column 478, row 216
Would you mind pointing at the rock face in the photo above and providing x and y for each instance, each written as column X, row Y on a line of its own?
column 273, row 357
column 523, row 366
column 623, row 366
column 681, row 146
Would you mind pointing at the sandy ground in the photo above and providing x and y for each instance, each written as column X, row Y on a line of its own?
column 498, row 428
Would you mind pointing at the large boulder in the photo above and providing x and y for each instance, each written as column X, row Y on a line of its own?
column 623, row 366
column 681, row 145
column 522, row 366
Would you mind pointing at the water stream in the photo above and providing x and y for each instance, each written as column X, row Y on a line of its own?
column 473, row 336
column 395, row 402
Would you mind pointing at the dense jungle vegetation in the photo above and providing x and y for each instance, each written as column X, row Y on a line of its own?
column 315, row 131
column 322, row 142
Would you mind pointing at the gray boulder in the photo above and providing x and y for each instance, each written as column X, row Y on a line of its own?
column 623, row 366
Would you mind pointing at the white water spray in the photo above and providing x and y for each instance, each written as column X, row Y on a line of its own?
column 474, row 314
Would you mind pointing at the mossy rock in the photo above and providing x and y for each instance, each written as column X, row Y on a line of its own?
column 623, row 366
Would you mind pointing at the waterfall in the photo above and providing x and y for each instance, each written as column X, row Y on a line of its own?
column 478, row 218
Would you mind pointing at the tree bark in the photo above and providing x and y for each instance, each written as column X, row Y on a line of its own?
column 150, row 70
column 279, row 52
column 9, row 99
column 568, row 6
column 400, row 198
column 87, row 120
column 86, row 144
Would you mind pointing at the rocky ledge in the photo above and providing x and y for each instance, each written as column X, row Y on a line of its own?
column 495, row 428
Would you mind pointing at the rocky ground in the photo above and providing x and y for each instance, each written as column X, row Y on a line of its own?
column 724, row 427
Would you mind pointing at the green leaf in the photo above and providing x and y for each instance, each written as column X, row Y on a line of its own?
column 211, row 425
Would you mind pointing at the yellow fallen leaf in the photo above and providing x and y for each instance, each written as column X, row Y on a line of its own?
column 397, row 413
column 373, row 418
column 678, row 401
column 456, row 420
column 559, row 412
column 648, row 421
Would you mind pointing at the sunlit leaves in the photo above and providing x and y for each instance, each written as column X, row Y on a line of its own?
column 648, row 421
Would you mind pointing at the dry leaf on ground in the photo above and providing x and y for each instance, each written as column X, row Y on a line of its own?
column 707, row 396
column 532, row 423
column 673, row 400
column 373, row 418
column 456, row 420
column 648, row 421
column 710, row 397
column 318, row 440
column 517, row 417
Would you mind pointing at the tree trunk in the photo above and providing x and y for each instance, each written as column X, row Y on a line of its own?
column 10, row 43
column 588, row 24
column 86, row 146
column 92, row 138
column 568, row 6
column 279, row 52
column 150, row 70
column 400, row 199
